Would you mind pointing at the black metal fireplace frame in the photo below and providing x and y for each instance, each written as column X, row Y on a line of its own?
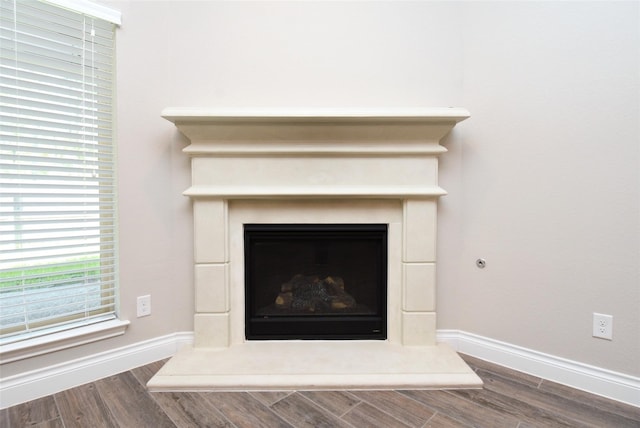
column 321, row 327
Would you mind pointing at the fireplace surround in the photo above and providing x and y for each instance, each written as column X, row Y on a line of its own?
column 318, row 167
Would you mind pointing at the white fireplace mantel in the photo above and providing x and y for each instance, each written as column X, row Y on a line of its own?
column 314, row 166
column 342, row 134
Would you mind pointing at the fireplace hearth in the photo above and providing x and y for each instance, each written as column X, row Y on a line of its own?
column 338, row 211
column 315, row 281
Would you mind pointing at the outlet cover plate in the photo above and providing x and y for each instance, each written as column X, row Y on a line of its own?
column 603, row 326
column 144, row 306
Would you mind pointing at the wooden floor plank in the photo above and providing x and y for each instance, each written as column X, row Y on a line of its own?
column 397, row 405
column 4, row 417
column 526, row 413
column 54, row 423
column 336, row 402
column 580, row 413
column 476, row 363
column 463, row 410
column 130, row 403
column 146, row 372
column 83, row 407
column 301, row 412
column 269, row 397
column 190, row 409
column 244, row 411
column 364, row 415
column 443, row 421
column 32, row 413
column 588, row 399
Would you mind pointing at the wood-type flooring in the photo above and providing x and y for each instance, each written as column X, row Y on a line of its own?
column 508, row 399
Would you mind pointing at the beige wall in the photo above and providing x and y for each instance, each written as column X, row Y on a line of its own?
column 543, row 179
column 546, row 182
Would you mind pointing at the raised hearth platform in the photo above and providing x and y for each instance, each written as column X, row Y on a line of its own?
column 314, row 365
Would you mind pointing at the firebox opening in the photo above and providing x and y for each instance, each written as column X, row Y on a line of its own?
column 315, row 281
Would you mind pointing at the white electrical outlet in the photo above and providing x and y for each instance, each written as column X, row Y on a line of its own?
column 144, row 305
column 603, row 326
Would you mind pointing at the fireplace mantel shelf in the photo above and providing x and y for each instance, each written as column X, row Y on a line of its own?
column 320, row 115
column 314, row 192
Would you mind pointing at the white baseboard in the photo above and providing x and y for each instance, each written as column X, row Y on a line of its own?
column 50, row 380
column 606, row 383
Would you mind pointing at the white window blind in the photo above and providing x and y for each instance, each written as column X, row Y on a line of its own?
column 57, row 181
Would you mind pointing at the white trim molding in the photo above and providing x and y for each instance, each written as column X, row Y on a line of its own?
column 90, row 8
column 50, row 380
column 595, row 380
column 57, row 341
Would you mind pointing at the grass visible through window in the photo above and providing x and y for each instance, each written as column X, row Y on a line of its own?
column 33, row 276
column 38, row 296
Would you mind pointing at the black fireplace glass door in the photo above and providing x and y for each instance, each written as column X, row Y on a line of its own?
column 315, row 281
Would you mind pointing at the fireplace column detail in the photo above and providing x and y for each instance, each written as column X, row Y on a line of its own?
column 211, row 275
column 418, row 272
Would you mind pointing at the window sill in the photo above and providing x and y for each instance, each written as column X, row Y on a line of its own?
column 61, row 340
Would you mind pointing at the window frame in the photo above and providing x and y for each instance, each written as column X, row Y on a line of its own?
column 75, row 332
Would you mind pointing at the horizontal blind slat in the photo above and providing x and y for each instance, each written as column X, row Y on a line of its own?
column 50, row 143
column 30, row 246
column 35, row 271
column 29, row 242
column 35, row 110
column 45, row 147
column 62, row 253
column 72, row 287
column 46, row 293
column 34, row 67
column 68, row 187
column 19, row 282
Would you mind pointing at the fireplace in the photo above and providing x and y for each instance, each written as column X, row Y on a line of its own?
column 315, row 281
column 340, row 206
